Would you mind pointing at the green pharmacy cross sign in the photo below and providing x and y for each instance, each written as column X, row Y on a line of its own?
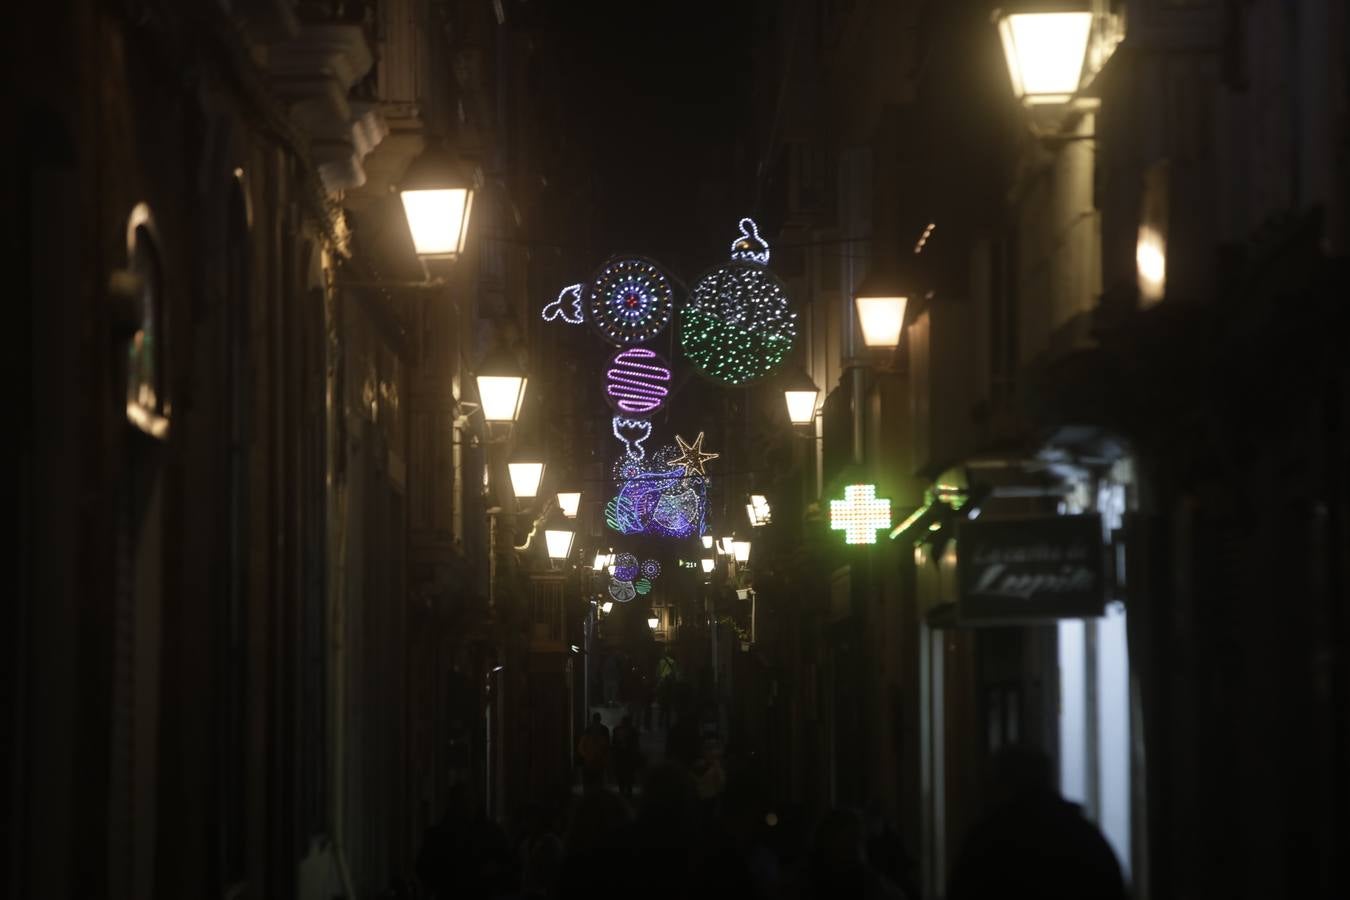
column 861, row 514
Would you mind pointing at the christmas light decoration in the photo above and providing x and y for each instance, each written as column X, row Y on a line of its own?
column 572, row 315
column 631, row 433
column 635, row 382
column 692, row 457
column 621, row 591
column 642, row 586
column 625, row 567
column 658, row 498
column 749, row 246
column 737, row 325
column 651, row 568
column 630, row 300
column 860, row 514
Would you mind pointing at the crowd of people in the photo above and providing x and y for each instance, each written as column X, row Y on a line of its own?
column 683, row 833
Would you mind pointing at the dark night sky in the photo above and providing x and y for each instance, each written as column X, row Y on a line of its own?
column 658, row 92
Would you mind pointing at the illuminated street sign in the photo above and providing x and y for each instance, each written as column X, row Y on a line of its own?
column 861, row 514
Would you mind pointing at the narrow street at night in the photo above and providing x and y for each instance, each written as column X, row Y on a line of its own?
column 780, row 449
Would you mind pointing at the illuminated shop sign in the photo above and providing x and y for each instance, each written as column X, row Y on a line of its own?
column 1020, row 569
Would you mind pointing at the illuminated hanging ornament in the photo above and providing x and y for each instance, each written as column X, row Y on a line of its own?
column 635, row 383
column 625, row 567
column 642, row 586
column 630, row 300
column 571, row 313
column 750, row 247
column 621, row 591
column 657, row 498
column 631, row 433
column 692, row 458
column 651, row 568
column 738, row 325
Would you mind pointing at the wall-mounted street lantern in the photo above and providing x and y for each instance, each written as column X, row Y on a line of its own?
column 880, row 302
column 707, row 541
column 559, row 542
column 1045, row 46
column 724, row 545
column 501, row 386
column 741, row 551
column 601, row 561
column 707, row 563
column 526, row 473
column 438, row 201
column 653, row 622
column 569, row 502
column 800, row 394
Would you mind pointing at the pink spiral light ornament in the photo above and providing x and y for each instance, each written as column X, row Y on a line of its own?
column 636, row 381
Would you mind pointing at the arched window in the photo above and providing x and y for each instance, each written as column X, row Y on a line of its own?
column 147, row 399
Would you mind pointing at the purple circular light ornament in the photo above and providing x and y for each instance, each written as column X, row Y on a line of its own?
column 636, row 382
column 650, row 568
column 625, row 567
column 630, row 300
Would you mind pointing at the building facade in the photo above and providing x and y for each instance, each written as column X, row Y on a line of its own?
column 1099, row 332
column 255, row 625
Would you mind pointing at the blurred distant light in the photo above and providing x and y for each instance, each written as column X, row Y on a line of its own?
column 1150, row 259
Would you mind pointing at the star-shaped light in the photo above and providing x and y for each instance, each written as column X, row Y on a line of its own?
column 692, row 456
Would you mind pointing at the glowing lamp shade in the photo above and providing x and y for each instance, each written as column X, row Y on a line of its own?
column 525, row 478
column 559, row 543
column 438, row 220
column 569, row 502
column 707, row 541
column 724, row 544
column 800, row 392
column 600, row 562
column 708, row 564
column 437, row 201
column 801, row 406
column 1045, row 53
column 607, row 606
column 758, row 510
column 653, row 622
column 881, row 317
column 860, row 514
column 741, row 550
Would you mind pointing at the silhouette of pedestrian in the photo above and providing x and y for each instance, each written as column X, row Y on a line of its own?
column 594, row 752
column 466, row 854
column 683, row 744
column 1033, row 842
column 626, row 754
column 838, row 867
